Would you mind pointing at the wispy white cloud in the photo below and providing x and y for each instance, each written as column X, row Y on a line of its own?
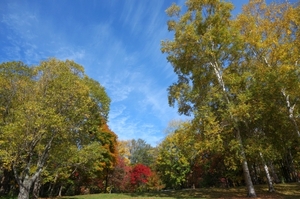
column 124, row 57
column 132, row 15
column 116, row 111
column 71, row 53
column 32, row 38
column 127, row 129
column 20, row 21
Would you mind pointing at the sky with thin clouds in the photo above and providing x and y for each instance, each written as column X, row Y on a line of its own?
column 118, row 44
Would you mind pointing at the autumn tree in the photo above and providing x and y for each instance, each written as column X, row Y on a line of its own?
column 108, row 141
column 120, row 179
column 46, row 108
column 205, row 44
column 270, row 35
column 238, row 77
column 139, row 176
column 176, row 155
column 154, row 182
column 123, row 150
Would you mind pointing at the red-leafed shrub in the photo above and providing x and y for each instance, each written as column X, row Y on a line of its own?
column 139, row 176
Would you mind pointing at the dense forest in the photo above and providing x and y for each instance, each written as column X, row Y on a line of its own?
column 238, row 80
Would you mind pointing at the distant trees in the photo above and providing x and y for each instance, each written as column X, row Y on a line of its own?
column 135, row 167
column 140, row 152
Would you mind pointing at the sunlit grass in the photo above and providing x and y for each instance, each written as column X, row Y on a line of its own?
column 283, row 191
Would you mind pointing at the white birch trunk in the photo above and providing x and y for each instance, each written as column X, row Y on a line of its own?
column 60, row 191
column 247, row 176
column 270, row 182
column 291, row 111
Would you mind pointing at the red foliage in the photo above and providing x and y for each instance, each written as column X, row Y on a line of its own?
column 121, row 176
column 139, row 175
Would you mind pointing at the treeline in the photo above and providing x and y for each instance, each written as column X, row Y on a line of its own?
column 238, row 77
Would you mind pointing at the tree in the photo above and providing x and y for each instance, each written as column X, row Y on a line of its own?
column 139, row 176
column 89, row 167
column 140, row 152
column 270, row 34
column 154, row 182
column 239, row 77
column 123, row 150
column 46, row 108
column 173, row 162
column 204, row 47
column 120, row 179
column 108, row 141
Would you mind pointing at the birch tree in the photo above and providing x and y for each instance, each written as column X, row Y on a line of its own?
column 270, row 34
column 204, row 47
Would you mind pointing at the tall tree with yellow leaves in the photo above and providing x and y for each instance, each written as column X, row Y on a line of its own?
column 235, row 74
column 205, row 45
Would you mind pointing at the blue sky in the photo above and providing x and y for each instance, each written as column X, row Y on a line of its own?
column 117, row 42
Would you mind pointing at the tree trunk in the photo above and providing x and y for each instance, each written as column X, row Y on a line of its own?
column 248, row 180
column 291, row 111
column 292, row 167
column 36, row 188
column 26, row 182
column 251, row 191
column 24, row 189
column 60, row 190
column 270, row 183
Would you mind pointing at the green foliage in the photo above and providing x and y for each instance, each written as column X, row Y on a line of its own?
column 140, row 152
column 47, row 115
column 239, row 78
column 176, row 156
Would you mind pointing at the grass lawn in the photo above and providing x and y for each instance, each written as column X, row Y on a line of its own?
column 283, row 191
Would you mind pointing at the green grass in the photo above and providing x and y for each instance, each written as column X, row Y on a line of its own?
column 283, row 191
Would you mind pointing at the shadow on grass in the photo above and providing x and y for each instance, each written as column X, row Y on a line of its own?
column 283, row 191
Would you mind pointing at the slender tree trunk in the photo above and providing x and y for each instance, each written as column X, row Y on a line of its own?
column 291, row 111
column 270, row 183
column 60, row 190
column 293, row 172
column 36, row 188
column 50, row 189
column 248, row 180
column 247, row 177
